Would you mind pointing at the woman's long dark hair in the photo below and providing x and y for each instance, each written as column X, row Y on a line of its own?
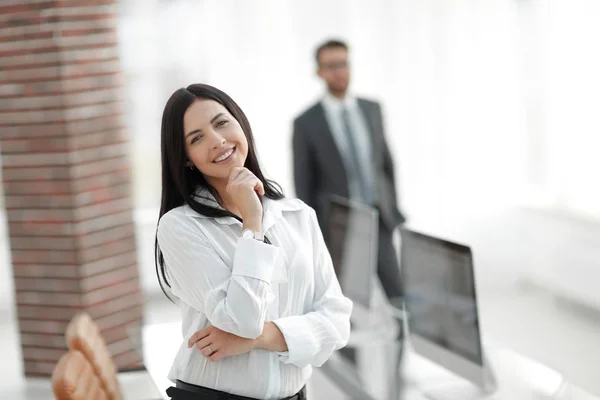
column 179, row 183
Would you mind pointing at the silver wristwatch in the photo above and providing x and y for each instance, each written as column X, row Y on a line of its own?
column 250, row 234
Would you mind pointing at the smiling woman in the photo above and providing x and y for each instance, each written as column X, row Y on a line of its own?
column 256, row 313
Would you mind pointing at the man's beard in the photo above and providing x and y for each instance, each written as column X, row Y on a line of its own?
column 337, row 90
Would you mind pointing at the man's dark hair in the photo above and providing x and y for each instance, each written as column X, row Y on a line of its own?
column 330, row 44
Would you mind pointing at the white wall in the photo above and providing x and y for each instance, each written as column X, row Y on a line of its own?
column 489, row 104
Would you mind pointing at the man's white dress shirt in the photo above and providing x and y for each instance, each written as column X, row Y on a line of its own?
column 237, row 284
column 362, row 137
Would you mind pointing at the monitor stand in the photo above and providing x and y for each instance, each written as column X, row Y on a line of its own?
column 457, row 390
column 462, row 389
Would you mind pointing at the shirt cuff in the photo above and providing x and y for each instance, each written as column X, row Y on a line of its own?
column 300, row 343
column 254, row 259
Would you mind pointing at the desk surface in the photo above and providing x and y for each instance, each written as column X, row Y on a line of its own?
column 518, row 376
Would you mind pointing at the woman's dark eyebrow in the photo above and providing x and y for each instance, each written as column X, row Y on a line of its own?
column 200, row 130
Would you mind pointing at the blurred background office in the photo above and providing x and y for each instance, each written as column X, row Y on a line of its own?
column 491, row 111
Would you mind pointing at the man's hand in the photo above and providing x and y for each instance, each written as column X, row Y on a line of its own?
column 216, row 344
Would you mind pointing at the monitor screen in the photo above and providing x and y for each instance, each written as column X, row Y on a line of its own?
column 352, row 242
column 440, row 293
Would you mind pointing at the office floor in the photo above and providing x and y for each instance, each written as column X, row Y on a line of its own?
column 525, row 319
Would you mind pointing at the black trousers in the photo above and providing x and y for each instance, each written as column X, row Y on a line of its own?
column 187, row 391
column 388, row 266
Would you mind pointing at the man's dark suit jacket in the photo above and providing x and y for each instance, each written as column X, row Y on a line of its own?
column 319, row 171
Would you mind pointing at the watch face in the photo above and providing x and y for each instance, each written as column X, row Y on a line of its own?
column 248, row 234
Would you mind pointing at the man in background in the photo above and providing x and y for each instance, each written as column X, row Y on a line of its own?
column 339, row 149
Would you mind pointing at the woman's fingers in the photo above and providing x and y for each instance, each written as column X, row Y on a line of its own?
column 259, row 187
column 203, row 343
column 243, row 176
column 198, row 335
column 235, row 174
column 216, row 356
column 207, row 350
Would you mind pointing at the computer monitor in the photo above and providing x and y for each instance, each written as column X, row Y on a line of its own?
column 352, row 239
column 441, row 305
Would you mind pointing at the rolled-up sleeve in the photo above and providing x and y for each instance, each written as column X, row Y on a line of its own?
column 313, row 337
column 234, row 299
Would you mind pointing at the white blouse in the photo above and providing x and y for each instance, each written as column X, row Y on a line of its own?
column 237, row 284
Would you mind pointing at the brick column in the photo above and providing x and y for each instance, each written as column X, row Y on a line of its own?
column 66, row 175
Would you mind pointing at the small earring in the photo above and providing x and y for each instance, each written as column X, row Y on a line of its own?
column 192, row 166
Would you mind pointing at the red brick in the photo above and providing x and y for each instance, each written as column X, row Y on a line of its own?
column 11, row 89
column 7, row 7
column 32, row 201
column 100, row 81
column 35, row 368
column 38, row 159
column 105, row 123
column 44, row 327
column 89, row 55
column 95, row 140
column 114, row 305
column 48, row 257
column 56, row 340
column 101, row 209
column 107, row 250
column 31, row 59
column 109, row 278
column 130, row 316
column 21, row 29
column 46, row 271
column 35, row 174
column 99, row 167
column 120, row 347
column 99, row 237
column 89, row 39
column 50, row 299
column 32, row 216
column 27, row 131
column 41, row 229
column 79, row 3
column 103, row 222
column 115, row 334
column 43, row 243
column 85, row 31
column 35, row 145
column 46, row 313
column 100, row 153
column 60, row 129
column 90, row 183
column 38, row 187
column 32, row 117
column 27, row 44
column 85, row 17
column 17, row 103
column 52, row 47
column 109, row 292
column 37, row 34
column 48, row 285
column 42, row 354
column 24, row 74
column 85, row 10
column 92, row 97
column 103, row 194
column 62, row 57
column 86, row 112
column 129, row 359
column 108, row 264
